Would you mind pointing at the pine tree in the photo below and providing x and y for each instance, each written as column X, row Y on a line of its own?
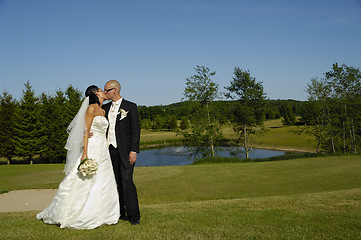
column 7, row 120
column 72, row 104
column 27, row 125
column 46, row 120
column 53, row 126
column 55, row 116
column 59, row 134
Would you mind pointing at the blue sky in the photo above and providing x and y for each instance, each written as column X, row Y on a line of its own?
column 151, row 47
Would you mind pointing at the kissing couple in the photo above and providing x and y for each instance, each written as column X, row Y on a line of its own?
column 108, row 136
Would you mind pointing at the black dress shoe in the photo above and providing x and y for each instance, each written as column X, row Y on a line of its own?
column 134, row 222
column 124, row 218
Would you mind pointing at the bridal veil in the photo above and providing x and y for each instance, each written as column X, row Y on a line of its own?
column 74, row 144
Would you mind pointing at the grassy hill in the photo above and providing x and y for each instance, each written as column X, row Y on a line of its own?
column 277, row 137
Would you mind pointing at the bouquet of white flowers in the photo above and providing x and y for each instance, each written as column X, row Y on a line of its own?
column 88, row 167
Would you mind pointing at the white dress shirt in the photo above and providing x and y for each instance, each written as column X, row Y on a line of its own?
column 112, row 116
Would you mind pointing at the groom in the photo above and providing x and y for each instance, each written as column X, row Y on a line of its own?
column 123, row 138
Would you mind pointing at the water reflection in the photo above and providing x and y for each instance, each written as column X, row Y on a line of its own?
column 174, row 151
column 177, row 156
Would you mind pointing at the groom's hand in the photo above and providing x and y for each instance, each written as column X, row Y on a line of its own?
column 132, row 157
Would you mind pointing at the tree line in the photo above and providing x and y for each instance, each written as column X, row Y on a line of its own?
column 332, row 113
column 36, row 125
column 164, row 117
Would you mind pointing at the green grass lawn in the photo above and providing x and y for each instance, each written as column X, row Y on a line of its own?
column 36, row 176
column 282, row 137
column 279, row 137
column 315, row 198
column 148, row 136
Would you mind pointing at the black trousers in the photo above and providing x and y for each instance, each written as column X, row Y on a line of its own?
column 128, row 198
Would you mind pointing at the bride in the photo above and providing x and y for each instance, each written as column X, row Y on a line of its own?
column 86, row 202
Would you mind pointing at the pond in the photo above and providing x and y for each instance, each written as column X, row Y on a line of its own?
column 177, row 156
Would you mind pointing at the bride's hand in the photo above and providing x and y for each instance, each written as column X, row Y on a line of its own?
column 84, row 157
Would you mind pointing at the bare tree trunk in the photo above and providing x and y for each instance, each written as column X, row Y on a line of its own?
column 344, row 136
column 211, row 137
column 353, row 139
column 318, row 146
column 353, row 136
column 245, row 140
column 333, row 144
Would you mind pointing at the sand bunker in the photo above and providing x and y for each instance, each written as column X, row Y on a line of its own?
column 26, row 200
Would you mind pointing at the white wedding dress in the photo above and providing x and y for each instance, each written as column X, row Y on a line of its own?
column 87, row 202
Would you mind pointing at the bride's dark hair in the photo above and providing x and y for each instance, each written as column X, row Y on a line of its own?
column 91, row 93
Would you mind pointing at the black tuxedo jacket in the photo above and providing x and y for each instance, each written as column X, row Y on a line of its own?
column 127, row 130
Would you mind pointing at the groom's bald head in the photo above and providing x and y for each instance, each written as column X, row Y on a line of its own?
column 113, row 84
column 112, row 90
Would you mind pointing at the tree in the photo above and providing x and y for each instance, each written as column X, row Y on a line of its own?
column 333, row 115
column 27, row 125
column 317, row 112
column 146, row 123
column 150, row 112
column 346, row 84
column 72, row 104
column 184, row 124
column 53, row 126
column 7, row 120
column 47, row 122
column 157, row 122
column 272, row 112
column 60, row 136
column 171, row 122
column 249, row 113
column 289, row 117
column 205, row 133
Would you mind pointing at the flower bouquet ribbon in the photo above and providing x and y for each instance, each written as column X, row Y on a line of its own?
column 88, row 167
